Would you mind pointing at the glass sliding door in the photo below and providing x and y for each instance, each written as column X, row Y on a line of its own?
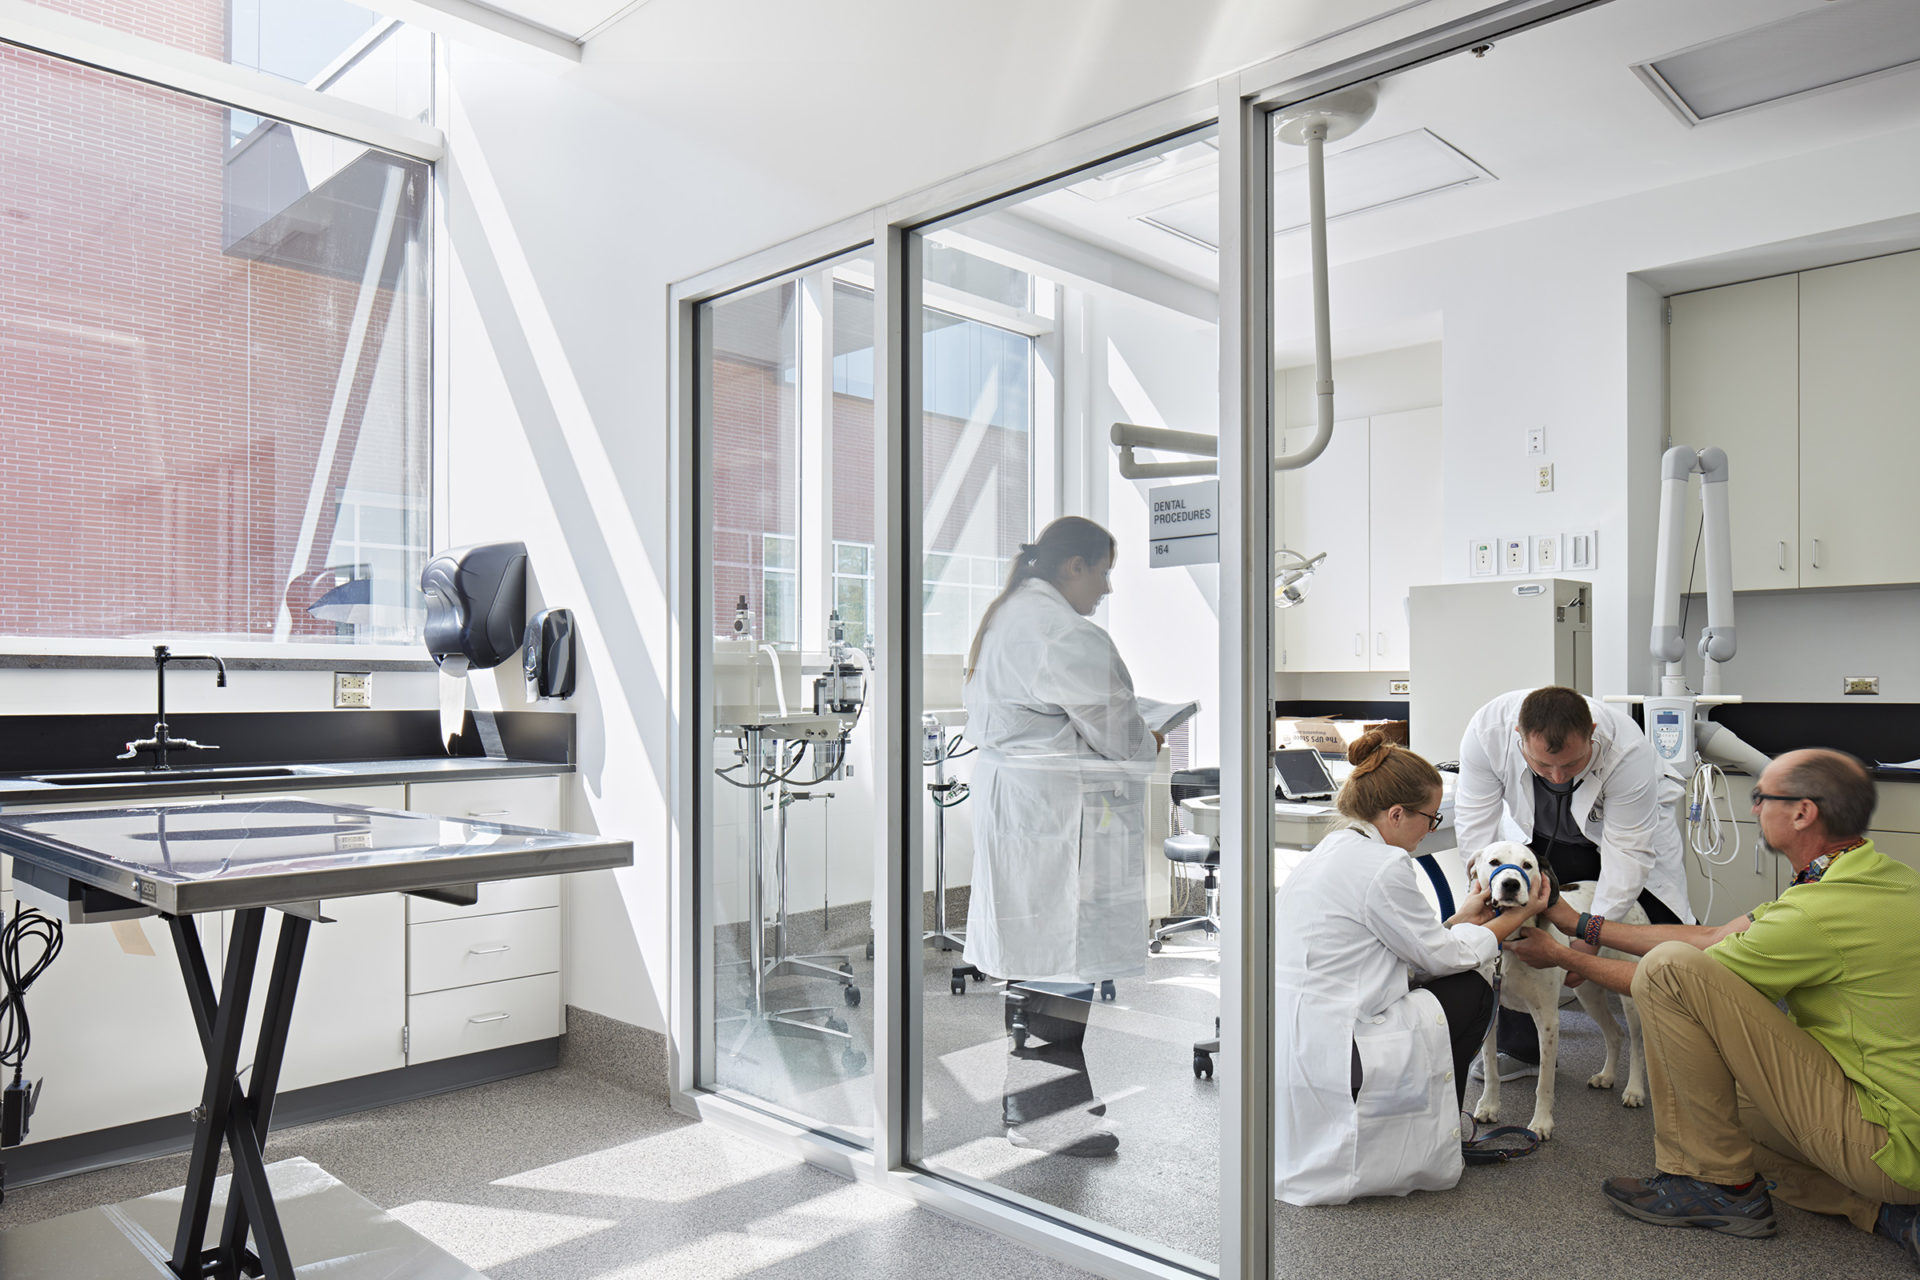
column 785, row 891
column 1070, row 1001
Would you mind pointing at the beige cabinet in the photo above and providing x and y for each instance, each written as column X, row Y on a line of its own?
column 1810, row 384
column 1371, row 502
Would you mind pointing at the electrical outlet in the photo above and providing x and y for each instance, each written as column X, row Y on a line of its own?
column 1399, row 687
column 352, row 689
column 1860, row 684
column 1543, row 478
column 1513, row 555
column 1581, row 550
column 1482, row 561
column 1536, row 441
column 1545, row 549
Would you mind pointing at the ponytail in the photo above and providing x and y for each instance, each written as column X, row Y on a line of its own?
column 1044, row 558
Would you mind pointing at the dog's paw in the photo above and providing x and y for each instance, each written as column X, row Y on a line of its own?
column 1634, row 1098
column 1542, row 1125
column 1600, row 1080
column 1484, row 1113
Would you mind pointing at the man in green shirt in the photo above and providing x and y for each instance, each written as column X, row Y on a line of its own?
column 1823, row 1100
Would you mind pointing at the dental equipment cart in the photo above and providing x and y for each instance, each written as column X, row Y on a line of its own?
column 250, row 857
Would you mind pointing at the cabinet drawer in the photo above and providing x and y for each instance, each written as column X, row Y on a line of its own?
column 445, row 1024
column 459, row 953
column 527, row 802
column 496, row 896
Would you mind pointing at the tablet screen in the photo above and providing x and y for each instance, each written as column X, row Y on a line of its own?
column 1299, row 775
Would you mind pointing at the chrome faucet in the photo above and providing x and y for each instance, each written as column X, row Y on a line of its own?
column 161, row 742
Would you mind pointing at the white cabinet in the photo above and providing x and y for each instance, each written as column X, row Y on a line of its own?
column 1809, row 383
column 1860, row 422
column 487, row 975
column 1735, row 384
column 1371, row 502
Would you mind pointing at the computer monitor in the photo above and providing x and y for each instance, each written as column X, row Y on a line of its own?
column 1298, row 774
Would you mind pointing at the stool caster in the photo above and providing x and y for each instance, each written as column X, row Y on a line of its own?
column 1107, row 991
column 851, row 994
column 1202, row 1065
column 1019, row 1038
column 957, row 984
column 869, row 948
column 834, row 1024
column 1155, row 946
column 852, row 1059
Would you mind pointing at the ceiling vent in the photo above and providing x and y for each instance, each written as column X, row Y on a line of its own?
column 1836, row 44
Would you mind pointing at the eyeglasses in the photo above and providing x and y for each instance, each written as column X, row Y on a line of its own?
column 1760, row 797
column 1433, row 819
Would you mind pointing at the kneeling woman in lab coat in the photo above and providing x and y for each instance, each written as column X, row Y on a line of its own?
column 1059, row 817
column 1378, row 1008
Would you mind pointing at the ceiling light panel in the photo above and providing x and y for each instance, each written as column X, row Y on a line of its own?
column 1832, row 45
column 1373, row 176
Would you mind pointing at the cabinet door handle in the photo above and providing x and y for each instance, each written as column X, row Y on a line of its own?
column 1816, row 553
column 490, row 1017
column 487, row 813
column 1380, row 643
column 488, row 951
column 1783, row 553
column 1359, row 643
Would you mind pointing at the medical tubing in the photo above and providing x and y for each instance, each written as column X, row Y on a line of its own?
column 779, row 685
column 1705, row 789
column 16, row 1035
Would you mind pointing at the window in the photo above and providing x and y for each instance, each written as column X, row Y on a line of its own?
column 780, row 588
column 214, row 367
column 853, row 590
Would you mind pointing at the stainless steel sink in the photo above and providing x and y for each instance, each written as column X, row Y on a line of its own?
column 226, row 773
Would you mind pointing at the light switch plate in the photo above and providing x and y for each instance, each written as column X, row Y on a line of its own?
column 1580, row 550
column 352, row 689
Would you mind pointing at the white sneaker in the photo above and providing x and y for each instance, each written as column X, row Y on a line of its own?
column 1510, row 1068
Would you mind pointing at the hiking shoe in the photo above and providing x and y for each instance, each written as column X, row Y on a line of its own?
column 1900, row 1223
column 1674, row 1200
column 1511, row 1068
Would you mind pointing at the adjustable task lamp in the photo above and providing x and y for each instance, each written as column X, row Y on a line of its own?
column 1291, row 573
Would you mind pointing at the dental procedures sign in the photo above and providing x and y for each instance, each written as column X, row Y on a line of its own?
column 1183, row 524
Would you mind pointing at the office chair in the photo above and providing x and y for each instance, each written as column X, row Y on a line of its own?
column 1202, row 851
column 1193, row 849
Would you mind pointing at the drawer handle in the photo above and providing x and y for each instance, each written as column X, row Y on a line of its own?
column 488, row 951
column 488, row 813
column 491, row 1017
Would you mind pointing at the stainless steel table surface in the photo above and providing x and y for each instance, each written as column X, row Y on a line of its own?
column 189, row 857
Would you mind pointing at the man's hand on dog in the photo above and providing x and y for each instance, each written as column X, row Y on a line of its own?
column 1537, row 948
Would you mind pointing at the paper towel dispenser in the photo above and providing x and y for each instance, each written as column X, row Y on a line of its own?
column 548, row 654
column 476, row 602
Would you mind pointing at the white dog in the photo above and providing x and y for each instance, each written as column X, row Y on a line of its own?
column 1508, row 870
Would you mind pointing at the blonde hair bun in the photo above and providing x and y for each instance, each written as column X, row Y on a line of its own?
column 1368, row 752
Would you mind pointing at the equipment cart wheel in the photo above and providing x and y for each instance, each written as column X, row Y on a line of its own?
column 1107, row 991
column 1202, row 1065
column 851, row 994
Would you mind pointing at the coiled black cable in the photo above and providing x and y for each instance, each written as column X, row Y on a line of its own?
column 17, row 935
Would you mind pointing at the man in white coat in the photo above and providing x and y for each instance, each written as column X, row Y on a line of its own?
column 1577, row 780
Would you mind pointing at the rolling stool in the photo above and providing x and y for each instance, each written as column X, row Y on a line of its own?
column 1200, row 851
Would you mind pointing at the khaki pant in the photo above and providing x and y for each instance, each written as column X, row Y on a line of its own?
column 1739, row 1089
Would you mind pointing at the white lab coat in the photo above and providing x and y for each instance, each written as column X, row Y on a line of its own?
column 1349, row 921
column 1623, row 803
column 1058, row 797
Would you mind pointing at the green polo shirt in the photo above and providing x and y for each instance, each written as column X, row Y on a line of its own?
column 1844, row 953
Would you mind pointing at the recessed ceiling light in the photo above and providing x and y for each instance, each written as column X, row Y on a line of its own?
column 1835, row 44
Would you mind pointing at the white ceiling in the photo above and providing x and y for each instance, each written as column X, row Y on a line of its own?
column 1555, row 114
column 574, row 19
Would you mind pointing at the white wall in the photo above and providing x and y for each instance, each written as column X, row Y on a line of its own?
column 190, row 688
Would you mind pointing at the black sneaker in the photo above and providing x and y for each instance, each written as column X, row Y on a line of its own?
column 1085, row 1144
column 1900, row 1223
column 1674, row 1200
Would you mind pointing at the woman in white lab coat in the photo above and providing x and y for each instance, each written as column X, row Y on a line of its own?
column 1370, row 1061
column 1059, row 814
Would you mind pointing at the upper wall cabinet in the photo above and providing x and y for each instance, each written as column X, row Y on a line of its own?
column 1811, row 385
column 1372, row 503
column 1860, row 422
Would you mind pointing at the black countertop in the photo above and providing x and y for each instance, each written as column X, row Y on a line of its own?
column 346, row 748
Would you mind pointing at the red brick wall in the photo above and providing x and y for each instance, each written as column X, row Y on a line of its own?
column 163, row 401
